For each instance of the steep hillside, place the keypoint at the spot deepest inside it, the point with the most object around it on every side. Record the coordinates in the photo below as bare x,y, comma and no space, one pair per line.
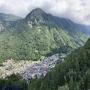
39,34
72,74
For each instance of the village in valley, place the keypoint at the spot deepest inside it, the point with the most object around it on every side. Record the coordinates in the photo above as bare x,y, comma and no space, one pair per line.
30,69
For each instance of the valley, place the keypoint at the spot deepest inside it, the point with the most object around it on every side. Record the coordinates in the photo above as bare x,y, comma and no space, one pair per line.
43,52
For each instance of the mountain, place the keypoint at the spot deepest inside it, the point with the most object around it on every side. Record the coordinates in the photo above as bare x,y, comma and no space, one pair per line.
39,34
8,17
38,15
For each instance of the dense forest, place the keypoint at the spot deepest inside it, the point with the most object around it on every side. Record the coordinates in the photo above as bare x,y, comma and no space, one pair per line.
72,74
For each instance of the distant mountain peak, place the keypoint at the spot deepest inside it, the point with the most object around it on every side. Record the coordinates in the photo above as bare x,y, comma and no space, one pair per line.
9,17
38,17
38,10
35,14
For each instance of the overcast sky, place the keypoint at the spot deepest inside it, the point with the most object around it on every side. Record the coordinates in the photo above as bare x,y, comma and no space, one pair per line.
77,10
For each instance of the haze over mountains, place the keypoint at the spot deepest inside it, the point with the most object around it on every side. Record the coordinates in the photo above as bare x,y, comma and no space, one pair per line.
8,17
39,34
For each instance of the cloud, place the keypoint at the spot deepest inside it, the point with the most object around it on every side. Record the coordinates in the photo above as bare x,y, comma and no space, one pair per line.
76,10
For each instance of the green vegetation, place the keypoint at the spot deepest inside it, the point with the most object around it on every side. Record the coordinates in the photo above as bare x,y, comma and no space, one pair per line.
39,34
71,74
14,82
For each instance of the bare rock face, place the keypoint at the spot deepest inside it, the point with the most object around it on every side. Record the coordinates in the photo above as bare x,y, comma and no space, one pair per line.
2,28
30,24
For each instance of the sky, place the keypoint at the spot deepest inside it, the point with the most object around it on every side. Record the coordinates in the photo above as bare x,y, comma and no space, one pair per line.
76,10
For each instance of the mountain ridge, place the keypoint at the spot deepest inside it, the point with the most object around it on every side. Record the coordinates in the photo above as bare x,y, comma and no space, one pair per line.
35,36
9,17
39,15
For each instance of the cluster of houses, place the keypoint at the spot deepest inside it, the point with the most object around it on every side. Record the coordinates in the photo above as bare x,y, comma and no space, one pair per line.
41,68
30,69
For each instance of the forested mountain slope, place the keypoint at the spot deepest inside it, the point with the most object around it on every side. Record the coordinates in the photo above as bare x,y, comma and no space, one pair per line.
37,35
71,74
